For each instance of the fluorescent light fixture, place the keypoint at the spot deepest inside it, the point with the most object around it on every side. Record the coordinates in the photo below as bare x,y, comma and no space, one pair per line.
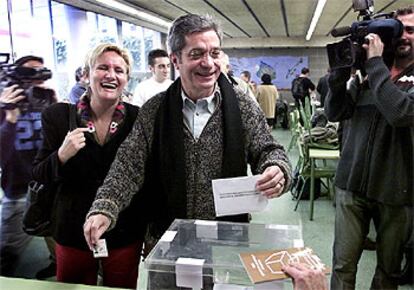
315,18
140,14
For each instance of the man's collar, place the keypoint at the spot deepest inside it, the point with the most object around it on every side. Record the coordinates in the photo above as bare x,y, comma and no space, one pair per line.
212,100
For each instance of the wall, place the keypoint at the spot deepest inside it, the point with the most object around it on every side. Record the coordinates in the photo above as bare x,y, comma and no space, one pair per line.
317,57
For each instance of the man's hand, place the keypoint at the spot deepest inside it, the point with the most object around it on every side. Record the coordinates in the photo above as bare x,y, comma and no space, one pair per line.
374,47
74,141
94,227
11,95
271,182
305,278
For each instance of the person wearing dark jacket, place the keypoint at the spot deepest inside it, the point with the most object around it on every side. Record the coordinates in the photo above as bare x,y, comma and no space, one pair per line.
20,139
302,86
374,179
322,88
78,162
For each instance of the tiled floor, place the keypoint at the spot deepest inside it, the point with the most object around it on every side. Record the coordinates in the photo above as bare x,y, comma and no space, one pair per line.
317,234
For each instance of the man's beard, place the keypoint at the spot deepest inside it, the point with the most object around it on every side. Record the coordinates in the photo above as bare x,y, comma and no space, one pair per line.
406,52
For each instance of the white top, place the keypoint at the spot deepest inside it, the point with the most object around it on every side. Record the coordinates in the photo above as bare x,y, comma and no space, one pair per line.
146,89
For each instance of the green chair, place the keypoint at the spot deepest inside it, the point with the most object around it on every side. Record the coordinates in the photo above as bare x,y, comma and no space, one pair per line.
294,128
310,152
308,168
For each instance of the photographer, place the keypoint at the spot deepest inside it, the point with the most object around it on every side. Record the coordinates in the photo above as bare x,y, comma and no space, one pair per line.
20,139
374,178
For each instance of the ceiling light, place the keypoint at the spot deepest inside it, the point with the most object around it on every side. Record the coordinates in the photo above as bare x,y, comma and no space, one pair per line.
315,18
130,10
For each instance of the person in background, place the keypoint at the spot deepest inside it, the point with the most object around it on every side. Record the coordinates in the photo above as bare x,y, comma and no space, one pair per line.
79,160
322,88
159,65
374,178
200,129
20,139
235,81
302,87
80,87
267,96
247,78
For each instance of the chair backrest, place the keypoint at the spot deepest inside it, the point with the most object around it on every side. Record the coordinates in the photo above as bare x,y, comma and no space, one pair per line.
292,121
306,114
303,158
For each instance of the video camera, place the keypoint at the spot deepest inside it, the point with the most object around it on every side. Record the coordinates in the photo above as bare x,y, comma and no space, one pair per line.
36,97
349,52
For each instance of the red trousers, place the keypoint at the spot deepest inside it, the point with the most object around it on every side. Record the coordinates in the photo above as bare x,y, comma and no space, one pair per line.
120,268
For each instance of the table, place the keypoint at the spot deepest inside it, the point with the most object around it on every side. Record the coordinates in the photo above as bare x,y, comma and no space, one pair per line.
314,154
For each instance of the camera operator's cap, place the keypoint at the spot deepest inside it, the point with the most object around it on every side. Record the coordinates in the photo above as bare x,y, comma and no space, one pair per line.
21,61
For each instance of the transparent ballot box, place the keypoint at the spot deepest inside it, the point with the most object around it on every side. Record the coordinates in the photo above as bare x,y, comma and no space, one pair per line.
199,254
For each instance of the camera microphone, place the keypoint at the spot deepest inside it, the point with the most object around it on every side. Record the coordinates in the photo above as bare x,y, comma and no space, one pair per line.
341,31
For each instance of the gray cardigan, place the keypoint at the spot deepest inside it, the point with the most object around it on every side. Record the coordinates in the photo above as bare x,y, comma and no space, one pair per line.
203,159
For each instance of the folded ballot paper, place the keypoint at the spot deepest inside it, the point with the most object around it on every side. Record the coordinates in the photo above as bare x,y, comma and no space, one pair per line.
264,266
237,196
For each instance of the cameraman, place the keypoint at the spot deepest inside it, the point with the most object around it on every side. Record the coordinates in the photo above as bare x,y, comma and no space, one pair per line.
374,178
19,141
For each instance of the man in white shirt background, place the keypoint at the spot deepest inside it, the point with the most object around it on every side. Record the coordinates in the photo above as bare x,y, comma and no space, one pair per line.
159,64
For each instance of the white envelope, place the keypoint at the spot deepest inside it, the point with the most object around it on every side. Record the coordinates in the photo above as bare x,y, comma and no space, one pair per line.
237,196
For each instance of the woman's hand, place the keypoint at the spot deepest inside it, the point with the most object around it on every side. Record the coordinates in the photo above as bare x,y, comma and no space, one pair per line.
94,228
74,141
271,182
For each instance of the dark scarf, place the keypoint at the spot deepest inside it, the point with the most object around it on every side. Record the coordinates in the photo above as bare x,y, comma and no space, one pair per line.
166,167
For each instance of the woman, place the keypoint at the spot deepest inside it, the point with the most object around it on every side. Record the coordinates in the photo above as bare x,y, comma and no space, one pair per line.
79,160
266,97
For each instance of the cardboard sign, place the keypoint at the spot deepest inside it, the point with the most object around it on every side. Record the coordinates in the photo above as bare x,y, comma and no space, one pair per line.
267,265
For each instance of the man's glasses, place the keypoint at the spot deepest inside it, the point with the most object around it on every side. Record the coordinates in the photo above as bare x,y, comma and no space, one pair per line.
196,54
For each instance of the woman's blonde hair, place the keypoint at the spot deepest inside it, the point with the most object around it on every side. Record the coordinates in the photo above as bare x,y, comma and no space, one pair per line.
96,52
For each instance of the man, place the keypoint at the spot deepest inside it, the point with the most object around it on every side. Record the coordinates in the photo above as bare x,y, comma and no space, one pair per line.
374,178
302,86
80,87
159,65
322,88
20,138
198,130
304,278
247,78
235,81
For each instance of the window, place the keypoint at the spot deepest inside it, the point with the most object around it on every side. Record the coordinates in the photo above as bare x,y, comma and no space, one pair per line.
63,35
5,46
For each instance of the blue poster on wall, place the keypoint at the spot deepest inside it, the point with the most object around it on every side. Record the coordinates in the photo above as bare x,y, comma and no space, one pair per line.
282,69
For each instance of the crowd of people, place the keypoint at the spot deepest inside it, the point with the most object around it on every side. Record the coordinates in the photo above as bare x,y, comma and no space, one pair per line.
127,170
